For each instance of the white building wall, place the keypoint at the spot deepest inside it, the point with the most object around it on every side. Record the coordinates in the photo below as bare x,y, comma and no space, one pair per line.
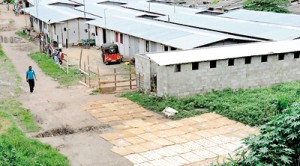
131,45
127,46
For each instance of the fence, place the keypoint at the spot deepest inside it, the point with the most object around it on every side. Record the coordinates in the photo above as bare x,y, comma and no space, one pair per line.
117,82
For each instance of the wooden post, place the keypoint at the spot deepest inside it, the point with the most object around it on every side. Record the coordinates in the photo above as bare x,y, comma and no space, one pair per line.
115,75
130,84
67,64
89,70
98,78
80,58
84,74
139,81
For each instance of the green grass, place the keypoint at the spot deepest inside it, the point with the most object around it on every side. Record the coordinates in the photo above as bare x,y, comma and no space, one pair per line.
23,35
15,148
21,116
51,69
252,106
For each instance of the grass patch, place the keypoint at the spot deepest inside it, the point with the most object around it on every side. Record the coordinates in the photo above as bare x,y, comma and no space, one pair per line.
20,115
23,35
51,69
252,106
16,149
95,91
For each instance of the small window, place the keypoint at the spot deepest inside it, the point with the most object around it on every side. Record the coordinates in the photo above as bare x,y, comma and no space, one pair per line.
264,58
117,37
195,66
230,62
166,48
121,38
296,55
280,57
248,60
213,64
147,46
177,68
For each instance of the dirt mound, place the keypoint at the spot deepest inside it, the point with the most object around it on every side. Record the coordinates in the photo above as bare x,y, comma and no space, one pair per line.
68,131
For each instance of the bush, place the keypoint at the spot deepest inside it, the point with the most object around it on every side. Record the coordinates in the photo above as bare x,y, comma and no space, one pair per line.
277,144
251,106
267,5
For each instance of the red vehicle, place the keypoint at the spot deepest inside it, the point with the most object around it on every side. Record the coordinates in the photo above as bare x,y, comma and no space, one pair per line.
110,53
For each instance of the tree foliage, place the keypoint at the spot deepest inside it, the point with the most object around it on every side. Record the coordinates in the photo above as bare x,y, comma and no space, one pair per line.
267,5
277,144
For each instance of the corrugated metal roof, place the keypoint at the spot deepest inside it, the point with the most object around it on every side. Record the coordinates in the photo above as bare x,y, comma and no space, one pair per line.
161,8
233,26
226,52
45,2
109,10
52,14
266,17
176,36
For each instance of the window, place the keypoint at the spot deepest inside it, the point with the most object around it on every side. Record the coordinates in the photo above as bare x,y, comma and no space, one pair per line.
166,48
230,62
264,58
147,46
177,68
213,64
121,38
248,60
280,57
296,55
117,37
195,66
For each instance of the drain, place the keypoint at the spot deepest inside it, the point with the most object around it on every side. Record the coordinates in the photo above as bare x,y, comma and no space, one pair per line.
68,131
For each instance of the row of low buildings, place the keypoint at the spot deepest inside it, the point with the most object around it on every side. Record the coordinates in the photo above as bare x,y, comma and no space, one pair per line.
142,28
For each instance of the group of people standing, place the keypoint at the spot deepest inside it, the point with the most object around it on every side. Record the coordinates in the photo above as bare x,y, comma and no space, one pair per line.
56,54
18,6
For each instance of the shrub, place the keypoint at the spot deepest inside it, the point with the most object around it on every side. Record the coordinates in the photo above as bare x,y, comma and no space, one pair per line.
277,144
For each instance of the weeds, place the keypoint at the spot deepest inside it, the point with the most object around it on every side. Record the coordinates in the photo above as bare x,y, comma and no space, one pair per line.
23,35
51,69
252,106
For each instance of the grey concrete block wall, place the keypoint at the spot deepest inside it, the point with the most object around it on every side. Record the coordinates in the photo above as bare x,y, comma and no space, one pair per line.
241,75
143,68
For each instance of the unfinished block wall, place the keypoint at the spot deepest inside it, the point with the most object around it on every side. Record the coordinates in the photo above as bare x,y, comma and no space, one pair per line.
240,75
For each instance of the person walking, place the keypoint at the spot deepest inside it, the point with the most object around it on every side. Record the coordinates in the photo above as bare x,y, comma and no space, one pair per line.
30,76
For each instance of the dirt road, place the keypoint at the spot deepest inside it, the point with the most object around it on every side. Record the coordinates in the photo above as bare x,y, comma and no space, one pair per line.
55,107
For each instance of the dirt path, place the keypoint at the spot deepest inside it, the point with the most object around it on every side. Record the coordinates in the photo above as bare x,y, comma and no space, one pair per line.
56,107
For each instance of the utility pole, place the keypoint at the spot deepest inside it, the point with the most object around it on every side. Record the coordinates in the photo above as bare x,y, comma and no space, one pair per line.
84,9
88,24
105,18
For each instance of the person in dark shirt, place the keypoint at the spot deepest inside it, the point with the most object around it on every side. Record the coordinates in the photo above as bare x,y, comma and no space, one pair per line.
30,76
